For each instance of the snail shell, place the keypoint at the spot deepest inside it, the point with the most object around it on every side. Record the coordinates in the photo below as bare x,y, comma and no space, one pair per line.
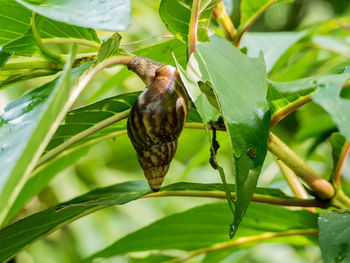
155,123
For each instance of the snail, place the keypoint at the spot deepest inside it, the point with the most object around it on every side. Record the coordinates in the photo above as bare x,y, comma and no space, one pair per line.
156,121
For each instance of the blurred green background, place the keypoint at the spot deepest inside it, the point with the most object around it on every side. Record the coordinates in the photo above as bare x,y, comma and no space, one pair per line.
115,161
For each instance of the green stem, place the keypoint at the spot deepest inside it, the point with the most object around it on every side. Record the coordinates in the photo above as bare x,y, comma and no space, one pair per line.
274,200
29,64
293,182
282,113
103,124
343,155
70,150
82,83
341,200
246,240
251,21
74,41
224,20
192,34
320,186
44,51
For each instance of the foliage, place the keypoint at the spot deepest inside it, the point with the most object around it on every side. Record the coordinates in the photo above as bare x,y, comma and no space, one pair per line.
65,134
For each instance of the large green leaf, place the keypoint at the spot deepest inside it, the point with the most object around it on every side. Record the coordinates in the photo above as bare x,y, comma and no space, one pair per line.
206,225
73,140
273,45
103,15
335,236
15,237
64,149
25,129
20,234
14,21
283,94
26,44
53,29
240,86
176,15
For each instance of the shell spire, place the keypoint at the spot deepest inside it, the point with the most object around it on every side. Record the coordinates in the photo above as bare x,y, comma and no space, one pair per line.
155,123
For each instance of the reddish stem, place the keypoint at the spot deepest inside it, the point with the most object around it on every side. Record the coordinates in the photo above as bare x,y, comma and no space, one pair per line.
341,162
192,34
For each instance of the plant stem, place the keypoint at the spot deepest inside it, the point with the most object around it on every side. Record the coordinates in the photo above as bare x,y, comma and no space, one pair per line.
256,198
74,41
341,200
19,64
78,88
281,114
297,188
246,240
220,14
284,112
44,51
320,186
344,154
115,118
192,34
250,22
29,64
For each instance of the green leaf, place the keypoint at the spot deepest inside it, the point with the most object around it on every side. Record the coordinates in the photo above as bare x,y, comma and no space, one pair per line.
333,44
273,45
206,225
4,57
163,52
328,97
76,123
190,78
154,258
252,9
109,48
176,15
18,235
14,21
8,78
15,237
240,86
25,129
53,29
334,236
64,149
282,94
103,15
25,45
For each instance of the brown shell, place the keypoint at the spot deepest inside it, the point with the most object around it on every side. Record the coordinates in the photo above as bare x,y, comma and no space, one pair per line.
155,123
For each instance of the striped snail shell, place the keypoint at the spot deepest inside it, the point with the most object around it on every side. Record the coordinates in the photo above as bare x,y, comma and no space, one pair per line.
155,123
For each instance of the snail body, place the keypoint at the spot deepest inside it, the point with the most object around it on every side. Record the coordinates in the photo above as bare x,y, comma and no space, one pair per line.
155,122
